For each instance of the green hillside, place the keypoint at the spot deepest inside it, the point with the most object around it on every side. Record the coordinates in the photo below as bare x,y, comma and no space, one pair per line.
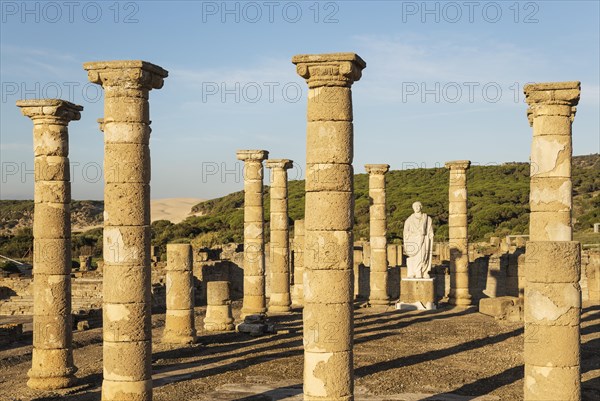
498,205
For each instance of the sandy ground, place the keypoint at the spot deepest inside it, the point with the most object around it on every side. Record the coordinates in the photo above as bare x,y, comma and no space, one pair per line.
450,354
173,209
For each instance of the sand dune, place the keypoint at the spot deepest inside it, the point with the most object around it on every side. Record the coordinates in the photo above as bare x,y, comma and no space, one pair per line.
173,209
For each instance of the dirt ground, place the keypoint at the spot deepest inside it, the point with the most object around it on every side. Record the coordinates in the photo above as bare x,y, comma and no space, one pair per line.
448,354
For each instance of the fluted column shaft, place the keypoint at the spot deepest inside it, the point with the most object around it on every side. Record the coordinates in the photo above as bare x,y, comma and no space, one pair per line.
179,320
378,231
127,333
254,243
328,274
552,260
280,300
52,356
457,228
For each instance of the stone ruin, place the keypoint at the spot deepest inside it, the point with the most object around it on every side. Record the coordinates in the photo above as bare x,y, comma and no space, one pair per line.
322,270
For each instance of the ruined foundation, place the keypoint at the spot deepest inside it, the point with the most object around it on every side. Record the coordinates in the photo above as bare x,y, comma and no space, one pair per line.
254,242
179,320
127,346
52,364
328,277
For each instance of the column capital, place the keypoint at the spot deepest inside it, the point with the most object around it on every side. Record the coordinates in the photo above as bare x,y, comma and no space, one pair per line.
377,168
333,69
129,74
458,164
565,95
57,109
252,155
279,163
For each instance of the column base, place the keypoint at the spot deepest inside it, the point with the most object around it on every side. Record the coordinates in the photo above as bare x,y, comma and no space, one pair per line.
460,297
51,369
51,383
279,309
221,325
250,312
127,391
380,302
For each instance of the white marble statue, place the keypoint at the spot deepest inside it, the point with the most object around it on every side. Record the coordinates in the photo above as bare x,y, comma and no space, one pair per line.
418,243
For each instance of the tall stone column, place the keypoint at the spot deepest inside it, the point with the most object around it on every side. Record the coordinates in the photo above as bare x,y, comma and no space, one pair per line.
52,357
127,333
254,243
552,259
179,320
280,300
378,231
457,227
298,289
328,275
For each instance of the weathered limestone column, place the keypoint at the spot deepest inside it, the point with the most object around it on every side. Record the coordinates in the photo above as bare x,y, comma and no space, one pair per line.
254,243
52,364
457,227
218,308
328,274
378,231
298,290
552,260
280,300
127,345
179,320
551,112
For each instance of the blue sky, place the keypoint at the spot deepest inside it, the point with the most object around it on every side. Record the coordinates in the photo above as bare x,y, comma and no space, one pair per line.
444,81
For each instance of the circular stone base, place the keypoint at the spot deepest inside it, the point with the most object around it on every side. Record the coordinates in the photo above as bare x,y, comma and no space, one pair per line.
51,383
274,309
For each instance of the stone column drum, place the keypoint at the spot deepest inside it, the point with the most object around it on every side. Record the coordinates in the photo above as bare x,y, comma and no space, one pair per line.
297,289
218,309
254,302
280,300
328,274
52,356
552,260
179,320
378,231
457,227
127,345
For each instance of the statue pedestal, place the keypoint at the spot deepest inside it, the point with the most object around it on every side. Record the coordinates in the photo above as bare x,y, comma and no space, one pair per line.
417,294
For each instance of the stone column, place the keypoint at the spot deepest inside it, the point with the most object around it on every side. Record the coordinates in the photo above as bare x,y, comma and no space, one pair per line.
378,231
254,243
179,321
298,290
552,260
52,357
328,279
127,345
457,227
218,309
280,300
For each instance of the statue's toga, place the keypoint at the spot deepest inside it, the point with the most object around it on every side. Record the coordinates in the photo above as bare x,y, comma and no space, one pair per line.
418,243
